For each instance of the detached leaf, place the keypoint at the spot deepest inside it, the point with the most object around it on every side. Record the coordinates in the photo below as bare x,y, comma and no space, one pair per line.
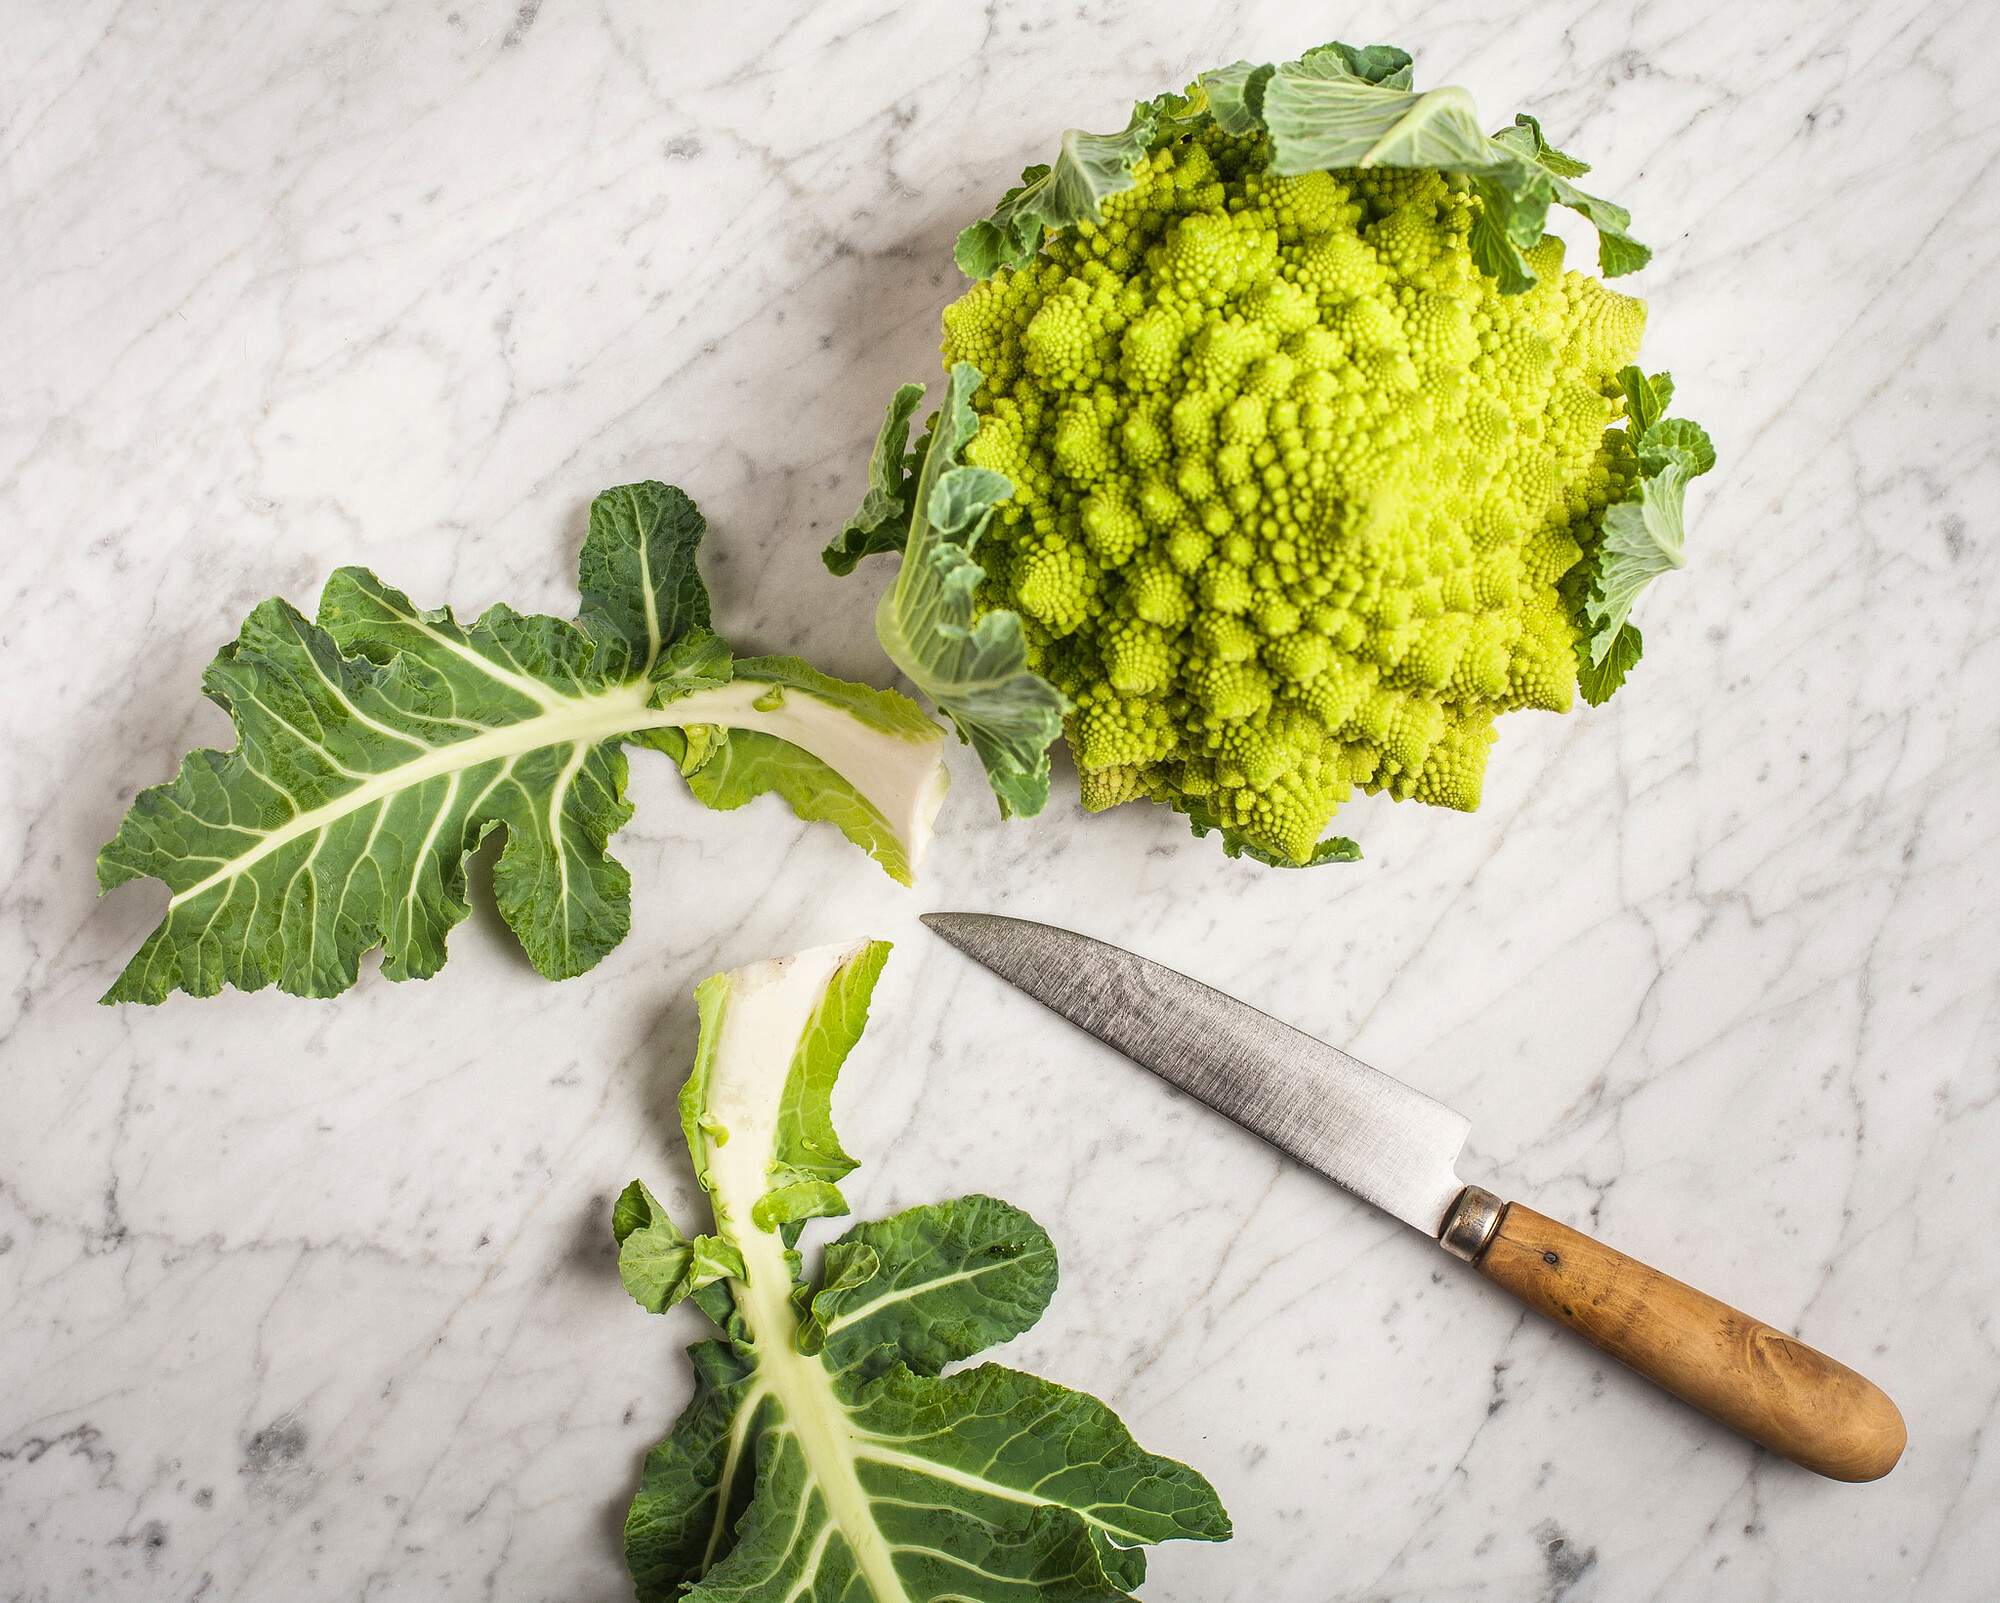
825,1458
697,1483
932,1286
640,587
806,1156
658,1264
379,744
814,732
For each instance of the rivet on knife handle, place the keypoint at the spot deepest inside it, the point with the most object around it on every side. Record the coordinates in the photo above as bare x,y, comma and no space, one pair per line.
1758,1381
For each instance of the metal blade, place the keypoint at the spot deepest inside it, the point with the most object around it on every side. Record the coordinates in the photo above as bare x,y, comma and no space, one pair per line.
1386,1143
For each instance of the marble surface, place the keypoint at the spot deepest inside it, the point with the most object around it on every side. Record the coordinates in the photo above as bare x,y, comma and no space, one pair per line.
316,1300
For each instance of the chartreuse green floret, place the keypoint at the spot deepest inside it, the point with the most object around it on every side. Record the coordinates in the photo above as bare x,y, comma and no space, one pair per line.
1320,459
1294,483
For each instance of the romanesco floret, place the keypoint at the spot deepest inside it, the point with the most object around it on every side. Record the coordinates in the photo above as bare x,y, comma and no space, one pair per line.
1275,460
1294,482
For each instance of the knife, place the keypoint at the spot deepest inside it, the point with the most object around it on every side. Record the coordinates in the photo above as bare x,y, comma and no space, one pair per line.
1396,1148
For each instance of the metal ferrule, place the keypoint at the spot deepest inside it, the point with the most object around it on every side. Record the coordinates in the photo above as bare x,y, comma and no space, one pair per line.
1471,1223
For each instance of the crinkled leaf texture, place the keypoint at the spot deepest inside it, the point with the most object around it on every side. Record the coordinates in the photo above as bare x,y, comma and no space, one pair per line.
380,743
1071,188
927,504
658,1264
1336,106
825,1455
1642,537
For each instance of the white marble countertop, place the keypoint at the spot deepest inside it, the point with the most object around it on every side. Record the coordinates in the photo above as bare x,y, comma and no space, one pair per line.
315,1300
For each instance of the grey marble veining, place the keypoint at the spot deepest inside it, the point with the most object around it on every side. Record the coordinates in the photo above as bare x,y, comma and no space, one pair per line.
315,1300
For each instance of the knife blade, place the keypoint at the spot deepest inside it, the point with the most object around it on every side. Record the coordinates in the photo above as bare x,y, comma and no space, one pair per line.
1387,1143
1396,1148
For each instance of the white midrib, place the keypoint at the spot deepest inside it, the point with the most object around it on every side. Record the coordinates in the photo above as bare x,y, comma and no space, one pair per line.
832,1447
824,732
864,1310
827,1441
757,1035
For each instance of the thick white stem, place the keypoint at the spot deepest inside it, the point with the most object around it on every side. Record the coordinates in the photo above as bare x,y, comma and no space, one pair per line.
767,1009
900,778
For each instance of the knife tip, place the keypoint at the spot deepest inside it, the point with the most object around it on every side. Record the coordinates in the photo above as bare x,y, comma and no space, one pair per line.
963,930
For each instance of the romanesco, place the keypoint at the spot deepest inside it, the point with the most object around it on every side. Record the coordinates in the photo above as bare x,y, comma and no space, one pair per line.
1312,441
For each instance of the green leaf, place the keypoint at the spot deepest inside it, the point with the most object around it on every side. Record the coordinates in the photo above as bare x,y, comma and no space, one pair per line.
1646,398
1643,538
1597,680
640,588
932,1286
882,523
1374,64
974,672
1337,106
1526,136
1325,110
824,1455
701,1128
658,1264
1334,849
1618,252
1514,210
698,1481
1236,96
380,743
1124,1567
1675,439
1640,537
816,731
1072,188
1321,113
807,1159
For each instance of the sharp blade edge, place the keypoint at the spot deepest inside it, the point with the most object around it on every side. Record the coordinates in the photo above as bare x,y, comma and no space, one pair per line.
1387,1143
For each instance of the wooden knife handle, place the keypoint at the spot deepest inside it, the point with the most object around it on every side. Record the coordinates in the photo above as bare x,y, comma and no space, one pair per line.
1756,1380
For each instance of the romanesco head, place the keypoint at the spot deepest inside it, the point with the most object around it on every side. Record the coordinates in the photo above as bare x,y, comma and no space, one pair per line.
1294,483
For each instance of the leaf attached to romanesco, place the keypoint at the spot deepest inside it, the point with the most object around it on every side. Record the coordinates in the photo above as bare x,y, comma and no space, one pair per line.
927,504
1640,537
1319,458
1336,106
